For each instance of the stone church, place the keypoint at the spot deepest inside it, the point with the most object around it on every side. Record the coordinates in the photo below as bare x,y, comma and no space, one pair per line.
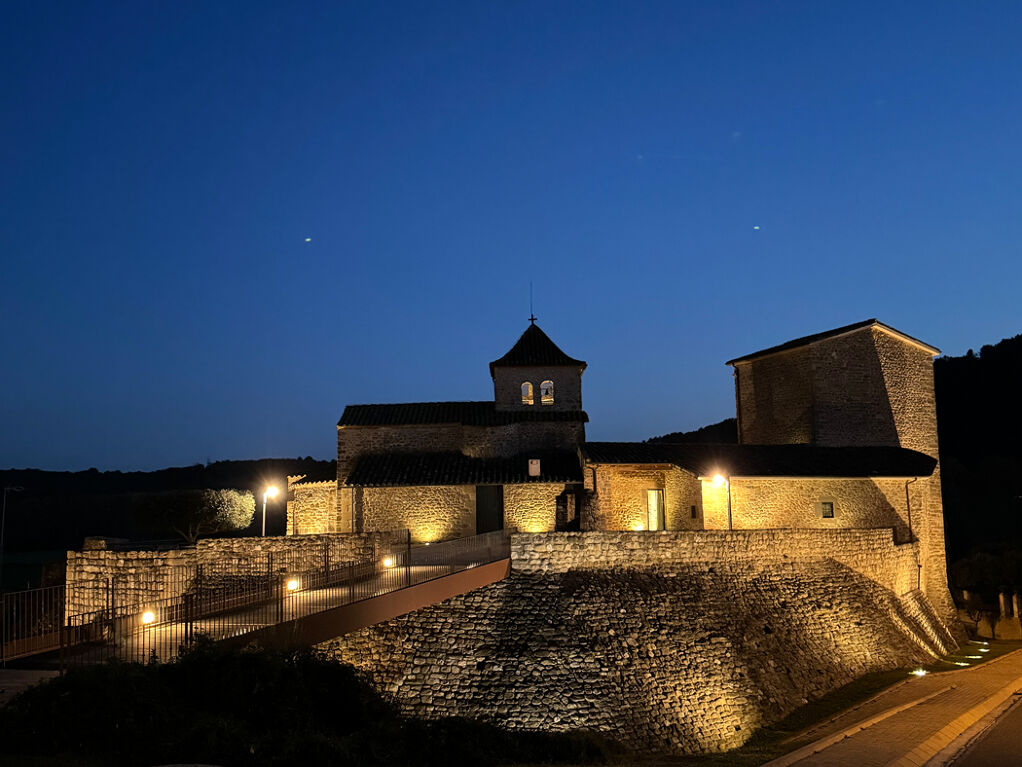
836,430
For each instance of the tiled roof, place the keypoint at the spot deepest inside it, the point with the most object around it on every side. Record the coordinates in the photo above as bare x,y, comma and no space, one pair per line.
396,469
806,340
767,460
535,349
465,413
326,475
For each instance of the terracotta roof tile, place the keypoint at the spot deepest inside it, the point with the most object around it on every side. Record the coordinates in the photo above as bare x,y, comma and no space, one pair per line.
404,469
767,460
465,413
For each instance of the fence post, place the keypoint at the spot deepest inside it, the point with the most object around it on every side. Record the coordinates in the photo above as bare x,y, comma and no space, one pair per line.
408,558
3,629
326,563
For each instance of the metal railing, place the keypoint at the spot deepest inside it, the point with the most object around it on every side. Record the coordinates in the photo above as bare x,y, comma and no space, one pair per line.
228,599
30,622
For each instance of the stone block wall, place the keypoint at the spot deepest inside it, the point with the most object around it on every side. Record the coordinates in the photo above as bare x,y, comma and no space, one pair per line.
679,658
532,507
871,553
619,502
312,508
98,579
791,502
430,513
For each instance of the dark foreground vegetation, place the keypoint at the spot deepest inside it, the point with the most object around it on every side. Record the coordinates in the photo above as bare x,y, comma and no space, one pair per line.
251,708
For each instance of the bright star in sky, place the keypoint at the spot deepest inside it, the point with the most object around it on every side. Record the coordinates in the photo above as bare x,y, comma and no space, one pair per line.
309,239
755,227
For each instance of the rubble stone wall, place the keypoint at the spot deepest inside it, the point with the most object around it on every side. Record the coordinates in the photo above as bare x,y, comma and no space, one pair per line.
680,658
100,579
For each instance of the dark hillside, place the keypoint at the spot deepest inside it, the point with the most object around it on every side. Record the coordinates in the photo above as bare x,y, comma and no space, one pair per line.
57,509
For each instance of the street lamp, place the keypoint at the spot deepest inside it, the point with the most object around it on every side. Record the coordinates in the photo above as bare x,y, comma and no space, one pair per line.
3,526
718,481
271,492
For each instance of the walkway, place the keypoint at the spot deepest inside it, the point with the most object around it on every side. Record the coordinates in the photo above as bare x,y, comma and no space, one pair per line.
903,725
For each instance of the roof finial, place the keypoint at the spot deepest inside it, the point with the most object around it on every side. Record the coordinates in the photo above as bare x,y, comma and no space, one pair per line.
532,314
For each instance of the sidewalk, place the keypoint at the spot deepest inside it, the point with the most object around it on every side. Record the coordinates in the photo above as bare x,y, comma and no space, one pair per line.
899,721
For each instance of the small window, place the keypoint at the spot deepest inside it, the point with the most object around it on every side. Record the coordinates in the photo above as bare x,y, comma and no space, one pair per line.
826,509
546,392
526,393
695,512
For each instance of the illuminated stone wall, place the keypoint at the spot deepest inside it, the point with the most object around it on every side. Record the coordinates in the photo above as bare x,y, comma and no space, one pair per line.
97,576
430,513
792,503
868,387
683,658
619,502
531,508
872,553
312,508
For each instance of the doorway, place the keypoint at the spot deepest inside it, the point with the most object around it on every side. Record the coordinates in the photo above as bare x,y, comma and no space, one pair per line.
489,508
655,510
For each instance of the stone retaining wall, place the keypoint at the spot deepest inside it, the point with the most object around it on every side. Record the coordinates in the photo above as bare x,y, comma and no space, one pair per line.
101,579
870,552
677,659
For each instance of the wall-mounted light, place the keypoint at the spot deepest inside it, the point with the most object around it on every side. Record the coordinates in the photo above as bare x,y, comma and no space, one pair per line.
148,617
293,584
388,562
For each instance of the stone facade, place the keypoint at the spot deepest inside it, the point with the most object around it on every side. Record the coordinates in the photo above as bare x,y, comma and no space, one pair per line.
619,500
793,502
429,513
532,508
312,508
870,386
669,642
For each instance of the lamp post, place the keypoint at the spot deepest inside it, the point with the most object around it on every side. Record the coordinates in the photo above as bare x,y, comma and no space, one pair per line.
270,492
718,480
3,527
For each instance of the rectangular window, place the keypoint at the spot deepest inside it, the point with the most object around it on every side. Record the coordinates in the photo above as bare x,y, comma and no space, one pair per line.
655,509
695,513
827,509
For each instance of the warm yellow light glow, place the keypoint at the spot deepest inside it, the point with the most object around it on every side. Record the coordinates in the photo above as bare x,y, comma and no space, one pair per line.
638,527
983,649
718,480
388,562
919,672
292,585
148,617
961,663
271,491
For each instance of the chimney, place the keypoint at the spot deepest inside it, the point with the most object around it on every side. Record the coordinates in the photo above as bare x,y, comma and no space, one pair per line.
533,467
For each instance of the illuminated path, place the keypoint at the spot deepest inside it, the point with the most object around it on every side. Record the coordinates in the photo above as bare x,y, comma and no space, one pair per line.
911,723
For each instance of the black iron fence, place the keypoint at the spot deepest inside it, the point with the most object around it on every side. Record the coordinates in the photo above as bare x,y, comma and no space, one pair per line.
226,599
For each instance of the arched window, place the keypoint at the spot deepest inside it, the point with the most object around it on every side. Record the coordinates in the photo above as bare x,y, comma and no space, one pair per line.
526,393
546,392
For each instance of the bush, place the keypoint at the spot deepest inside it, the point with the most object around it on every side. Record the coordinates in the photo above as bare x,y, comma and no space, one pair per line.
254,708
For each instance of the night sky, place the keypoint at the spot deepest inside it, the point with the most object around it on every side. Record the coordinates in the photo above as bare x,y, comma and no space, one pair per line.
222,222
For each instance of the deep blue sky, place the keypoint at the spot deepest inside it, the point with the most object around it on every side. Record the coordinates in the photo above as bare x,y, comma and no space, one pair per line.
163,162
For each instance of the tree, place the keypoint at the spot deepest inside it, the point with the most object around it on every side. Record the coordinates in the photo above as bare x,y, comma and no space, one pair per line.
193,513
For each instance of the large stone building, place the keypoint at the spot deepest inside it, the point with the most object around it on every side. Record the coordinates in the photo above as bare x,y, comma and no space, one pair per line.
836,430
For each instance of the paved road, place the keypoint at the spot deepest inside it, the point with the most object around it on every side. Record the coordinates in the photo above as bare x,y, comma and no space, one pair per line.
13,681
1001,745
923,706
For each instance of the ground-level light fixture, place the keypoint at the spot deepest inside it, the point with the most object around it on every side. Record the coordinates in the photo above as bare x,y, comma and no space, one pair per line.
388,562
920,672
148,617
293,584
270,492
